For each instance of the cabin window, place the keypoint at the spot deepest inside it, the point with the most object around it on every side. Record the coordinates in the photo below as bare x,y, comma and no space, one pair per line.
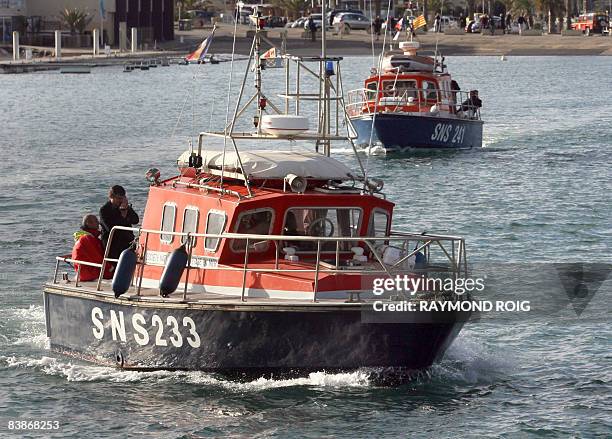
429,91
190,223
167,222
388,88
400,88
379,224
323,222
406,89
254,222
371,93
215,223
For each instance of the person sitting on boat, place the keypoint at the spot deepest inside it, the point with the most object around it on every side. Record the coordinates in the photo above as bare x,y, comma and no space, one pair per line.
88,248
117,212
471,105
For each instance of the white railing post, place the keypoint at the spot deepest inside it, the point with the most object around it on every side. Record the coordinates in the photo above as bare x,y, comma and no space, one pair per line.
134,40
58,45
96,42
15,46
245,269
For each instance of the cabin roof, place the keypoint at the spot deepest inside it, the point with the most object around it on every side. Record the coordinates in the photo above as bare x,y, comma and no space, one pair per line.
272,195
267,164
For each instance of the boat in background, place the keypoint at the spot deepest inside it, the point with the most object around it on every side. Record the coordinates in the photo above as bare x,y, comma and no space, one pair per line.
411,102
262,263
200,55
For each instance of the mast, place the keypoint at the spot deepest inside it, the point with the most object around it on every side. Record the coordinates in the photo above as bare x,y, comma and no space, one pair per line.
325,73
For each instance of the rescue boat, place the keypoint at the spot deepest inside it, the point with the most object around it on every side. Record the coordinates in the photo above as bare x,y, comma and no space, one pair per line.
263,262
409,102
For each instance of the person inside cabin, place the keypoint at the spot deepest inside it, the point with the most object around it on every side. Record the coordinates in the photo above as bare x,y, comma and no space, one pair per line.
256,223
471,105
88,248
117,212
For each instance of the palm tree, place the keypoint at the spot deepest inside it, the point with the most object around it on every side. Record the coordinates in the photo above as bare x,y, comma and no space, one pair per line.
550,8
75,19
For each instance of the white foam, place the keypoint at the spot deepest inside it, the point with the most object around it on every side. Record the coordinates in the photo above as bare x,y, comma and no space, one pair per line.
30,323
469,360
87,373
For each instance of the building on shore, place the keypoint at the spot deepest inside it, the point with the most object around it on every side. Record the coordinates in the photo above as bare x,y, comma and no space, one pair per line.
37,19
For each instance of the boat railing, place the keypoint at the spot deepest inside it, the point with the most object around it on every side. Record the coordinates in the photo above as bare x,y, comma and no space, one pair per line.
444,255
411,100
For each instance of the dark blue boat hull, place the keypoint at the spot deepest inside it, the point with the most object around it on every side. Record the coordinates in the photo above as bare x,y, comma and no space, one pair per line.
401,132
238,341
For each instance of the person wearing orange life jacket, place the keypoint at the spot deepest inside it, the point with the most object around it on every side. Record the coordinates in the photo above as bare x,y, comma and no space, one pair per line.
88,248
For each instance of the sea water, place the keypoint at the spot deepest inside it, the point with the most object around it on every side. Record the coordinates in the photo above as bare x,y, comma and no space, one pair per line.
537,194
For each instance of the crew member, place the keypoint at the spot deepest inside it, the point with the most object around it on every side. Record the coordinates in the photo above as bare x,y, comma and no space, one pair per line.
117,212
88,248
471,104
454,90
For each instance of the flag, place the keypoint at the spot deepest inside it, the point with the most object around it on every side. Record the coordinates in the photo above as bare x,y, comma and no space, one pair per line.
399,24
102,10
269,54
419,22
397,35
200,53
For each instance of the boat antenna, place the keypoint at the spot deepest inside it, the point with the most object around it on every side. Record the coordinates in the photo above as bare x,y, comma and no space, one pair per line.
438,38
372,37
376,99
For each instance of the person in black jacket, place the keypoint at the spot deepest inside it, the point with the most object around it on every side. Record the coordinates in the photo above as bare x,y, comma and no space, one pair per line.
471,105
117,212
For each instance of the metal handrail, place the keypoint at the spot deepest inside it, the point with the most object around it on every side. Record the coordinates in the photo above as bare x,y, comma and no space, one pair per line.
457,262
360,100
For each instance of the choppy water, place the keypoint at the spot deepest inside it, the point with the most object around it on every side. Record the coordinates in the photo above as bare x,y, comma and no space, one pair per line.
538,193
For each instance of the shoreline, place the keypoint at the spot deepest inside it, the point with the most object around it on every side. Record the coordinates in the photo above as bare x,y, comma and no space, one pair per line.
357,43
447,47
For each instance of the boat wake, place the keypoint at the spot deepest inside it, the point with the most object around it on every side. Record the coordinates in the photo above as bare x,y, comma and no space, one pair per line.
468,361
76,372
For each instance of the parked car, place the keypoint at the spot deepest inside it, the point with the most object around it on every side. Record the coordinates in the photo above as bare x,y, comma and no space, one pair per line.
448,22
353,21
476,24
275,21
592,23
299,23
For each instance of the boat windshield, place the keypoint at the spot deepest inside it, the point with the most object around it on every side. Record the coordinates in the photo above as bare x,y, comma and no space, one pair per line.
400,88
324,222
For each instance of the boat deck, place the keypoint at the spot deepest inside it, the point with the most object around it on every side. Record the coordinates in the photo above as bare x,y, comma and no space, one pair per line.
151,295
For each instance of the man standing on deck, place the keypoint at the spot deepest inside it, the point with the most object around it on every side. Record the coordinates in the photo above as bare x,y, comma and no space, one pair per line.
117,212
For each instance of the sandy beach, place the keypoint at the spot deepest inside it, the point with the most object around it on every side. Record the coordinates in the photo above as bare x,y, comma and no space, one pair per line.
359,43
